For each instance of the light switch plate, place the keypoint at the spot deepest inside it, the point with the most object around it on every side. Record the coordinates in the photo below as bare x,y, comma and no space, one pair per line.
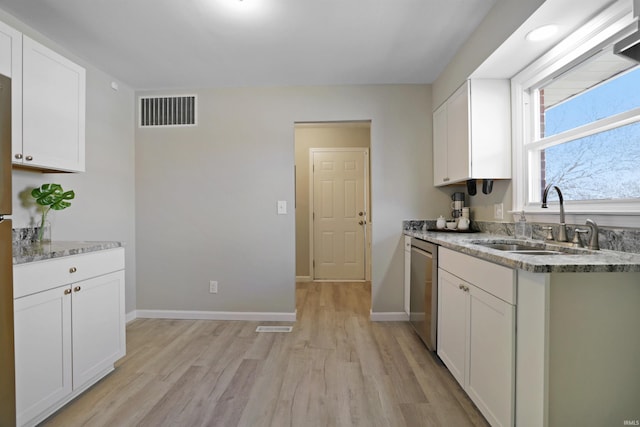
498,211
282,207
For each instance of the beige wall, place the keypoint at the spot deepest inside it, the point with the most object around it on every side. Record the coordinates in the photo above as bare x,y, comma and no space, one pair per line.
104,205
309,136
206,196
501,21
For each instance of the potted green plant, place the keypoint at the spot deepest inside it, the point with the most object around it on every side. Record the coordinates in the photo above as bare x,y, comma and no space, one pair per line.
51,196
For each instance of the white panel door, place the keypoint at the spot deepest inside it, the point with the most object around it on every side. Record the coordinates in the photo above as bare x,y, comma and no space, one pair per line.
53,115
491,373
43,351
339,214
452,324
458,157
440,153
11,66
98,325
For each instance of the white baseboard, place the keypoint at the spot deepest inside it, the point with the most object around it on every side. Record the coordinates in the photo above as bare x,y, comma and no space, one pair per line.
303,278
216,315
131,316
391,316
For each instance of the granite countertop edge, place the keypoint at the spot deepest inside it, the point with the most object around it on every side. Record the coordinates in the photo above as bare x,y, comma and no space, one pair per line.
604,261
26,252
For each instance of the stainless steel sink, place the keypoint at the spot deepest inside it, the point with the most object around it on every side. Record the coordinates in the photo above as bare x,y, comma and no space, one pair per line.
530,248
510,246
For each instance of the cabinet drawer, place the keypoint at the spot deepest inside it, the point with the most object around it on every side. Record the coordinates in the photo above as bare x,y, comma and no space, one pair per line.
492,278
39,276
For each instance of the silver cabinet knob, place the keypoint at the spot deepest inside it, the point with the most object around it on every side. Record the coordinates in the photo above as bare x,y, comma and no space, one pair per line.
18,156
77,289
67,291
73,270
29,158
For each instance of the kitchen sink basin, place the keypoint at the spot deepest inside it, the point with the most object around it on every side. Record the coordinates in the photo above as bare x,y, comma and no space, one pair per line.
531,248
509,246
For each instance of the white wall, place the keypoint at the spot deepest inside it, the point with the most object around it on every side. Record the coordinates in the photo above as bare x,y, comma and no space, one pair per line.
206,196
501,21
104,205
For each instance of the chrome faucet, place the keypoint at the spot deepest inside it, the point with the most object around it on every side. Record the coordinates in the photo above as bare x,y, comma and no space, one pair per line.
562,234
593,239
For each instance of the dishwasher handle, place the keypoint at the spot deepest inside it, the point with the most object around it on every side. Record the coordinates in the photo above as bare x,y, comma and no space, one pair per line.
421,252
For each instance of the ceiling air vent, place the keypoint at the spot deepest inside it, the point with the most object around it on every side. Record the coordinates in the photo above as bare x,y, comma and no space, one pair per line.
168,111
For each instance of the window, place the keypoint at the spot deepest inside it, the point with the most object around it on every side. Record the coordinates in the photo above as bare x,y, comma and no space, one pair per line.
588,136
579,124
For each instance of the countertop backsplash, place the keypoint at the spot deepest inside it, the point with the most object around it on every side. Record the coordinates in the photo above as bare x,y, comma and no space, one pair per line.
615,239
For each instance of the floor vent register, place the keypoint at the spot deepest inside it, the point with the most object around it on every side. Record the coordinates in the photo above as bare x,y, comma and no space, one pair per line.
274,328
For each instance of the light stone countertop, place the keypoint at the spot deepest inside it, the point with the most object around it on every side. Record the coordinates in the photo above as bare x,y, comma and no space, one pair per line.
24,252
584,261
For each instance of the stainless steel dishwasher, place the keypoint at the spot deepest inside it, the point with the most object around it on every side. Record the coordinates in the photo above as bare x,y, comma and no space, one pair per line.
423,297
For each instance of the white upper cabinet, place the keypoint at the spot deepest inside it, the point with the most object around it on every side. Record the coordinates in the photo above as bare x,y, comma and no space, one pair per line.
47,104
472,133
53,107
11,66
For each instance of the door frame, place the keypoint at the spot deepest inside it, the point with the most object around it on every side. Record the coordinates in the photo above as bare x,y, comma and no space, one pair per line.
367,204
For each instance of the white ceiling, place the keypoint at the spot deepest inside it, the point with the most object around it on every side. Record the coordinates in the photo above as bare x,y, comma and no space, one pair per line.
153,44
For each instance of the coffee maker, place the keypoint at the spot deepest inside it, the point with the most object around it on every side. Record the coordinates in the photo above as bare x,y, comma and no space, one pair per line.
457,204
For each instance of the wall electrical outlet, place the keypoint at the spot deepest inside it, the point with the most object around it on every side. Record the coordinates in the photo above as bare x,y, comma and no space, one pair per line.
213,287
498,211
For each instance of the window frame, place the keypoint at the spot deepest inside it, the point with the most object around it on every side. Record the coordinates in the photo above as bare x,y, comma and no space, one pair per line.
612,24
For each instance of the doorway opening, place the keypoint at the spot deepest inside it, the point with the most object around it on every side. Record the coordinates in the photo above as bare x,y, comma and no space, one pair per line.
333,202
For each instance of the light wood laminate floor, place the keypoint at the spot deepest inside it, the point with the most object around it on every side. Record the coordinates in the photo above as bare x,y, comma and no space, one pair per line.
335,369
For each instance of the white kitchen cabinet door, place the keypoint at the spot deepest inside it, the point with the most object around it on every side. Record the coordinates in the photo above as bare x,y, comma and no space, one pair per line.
98,325
458,138
11,66
407,275
43,351
452,324
53,105
440,137
490,377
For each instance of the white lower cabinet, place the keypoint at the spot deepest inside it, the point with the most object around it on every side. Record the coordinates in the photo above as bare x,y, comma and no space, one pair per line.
69,336
453,322
43,351
476,332
407,275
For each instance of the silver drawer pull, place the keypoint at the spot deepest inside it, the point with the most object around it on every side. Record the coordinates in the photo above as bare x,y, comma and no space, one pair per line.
73,270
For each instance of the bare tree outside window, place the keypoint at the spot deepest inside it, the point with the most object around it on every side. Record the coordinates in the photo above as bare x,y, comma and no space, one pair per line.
600,166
